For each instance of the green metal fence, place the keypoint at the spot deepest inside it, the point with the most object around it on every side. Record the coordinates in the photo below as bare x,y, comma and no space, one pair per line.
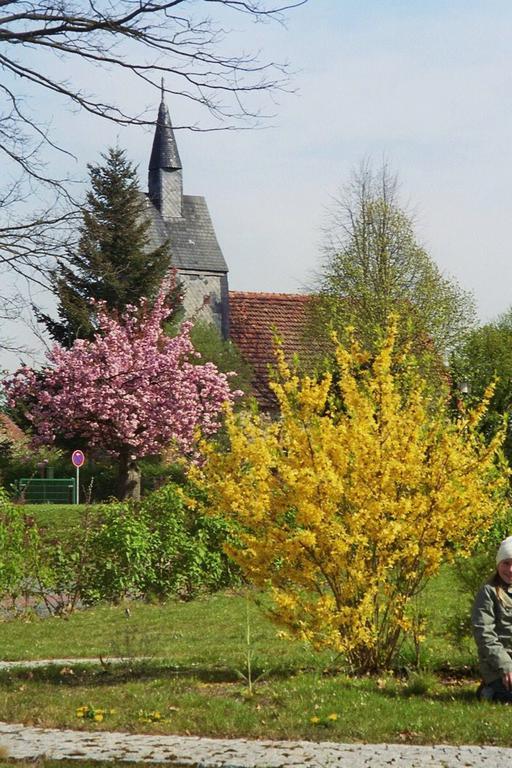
47,490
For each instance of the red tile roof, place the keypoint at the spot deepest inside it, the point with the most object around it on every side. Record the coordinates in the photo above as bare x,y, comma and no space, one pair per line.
10,430
254,319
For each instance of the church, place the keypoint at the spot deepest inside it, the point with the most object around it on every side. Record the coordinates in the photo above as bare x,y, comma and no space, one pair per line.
184,221
247,319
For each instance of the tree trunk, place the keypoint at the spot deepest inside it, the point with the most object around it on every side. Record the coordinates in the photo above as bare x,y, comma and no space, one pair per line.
129,477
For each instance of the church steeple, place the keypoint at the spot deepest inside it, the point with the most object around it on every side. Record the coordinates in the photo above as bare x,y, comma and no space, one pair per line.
165,183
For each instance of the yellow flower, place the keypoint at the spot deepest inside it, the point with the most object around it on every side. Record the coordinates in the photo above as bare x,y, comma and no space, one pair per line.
366,475
152,716
314,720
333,716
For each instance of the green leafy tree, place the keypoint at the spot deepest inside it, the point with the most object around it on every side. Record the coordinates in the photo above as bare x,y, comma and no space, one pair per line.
486,355
208,341
114,262
374,267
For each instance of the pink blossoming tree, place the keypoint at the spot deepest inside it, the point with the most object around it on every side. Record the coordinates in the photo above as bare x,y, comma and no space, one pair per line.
130,392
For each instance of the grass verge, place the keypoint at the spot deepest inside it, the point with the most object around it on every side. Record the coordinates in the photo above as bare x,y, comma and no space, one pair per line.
194,678
57,518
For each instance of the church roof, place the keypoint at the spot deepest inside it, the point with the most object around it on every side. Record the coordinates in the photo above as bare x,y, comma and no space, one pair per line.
192,239
164,153
10,430
254,320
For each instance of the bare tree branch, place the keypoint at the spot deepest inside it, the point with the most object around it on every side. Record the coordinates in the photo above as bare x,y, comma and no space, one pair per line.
181,40
148,39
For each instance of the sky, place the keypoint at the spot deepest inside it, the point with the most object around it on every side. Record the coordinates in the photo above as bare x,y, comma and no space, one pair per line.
425,86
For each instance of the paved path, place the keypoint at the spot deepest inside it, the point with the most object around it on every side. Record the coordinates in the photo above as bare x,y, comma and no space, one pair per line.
28,743
38,663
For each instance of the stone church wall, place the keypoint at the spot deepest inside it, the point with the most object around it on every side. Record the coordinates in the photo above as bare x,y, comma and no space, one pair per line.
205,296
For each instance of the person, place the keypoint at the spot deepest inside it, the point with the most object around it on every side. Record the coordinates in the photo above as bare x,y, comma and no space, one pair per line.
491,620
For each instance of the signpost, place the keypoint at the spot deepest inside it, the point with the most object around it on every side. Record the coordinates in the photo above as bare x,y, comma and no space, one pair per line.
78,460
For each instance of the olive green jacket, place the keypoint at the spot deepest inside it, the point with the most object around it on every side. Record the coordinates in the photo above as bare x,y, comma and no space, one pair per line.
491,619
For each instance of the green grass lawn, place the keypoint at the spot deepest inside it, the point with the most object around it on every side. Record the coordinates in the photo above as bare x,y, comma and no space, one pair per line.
193,676
195,673
57,518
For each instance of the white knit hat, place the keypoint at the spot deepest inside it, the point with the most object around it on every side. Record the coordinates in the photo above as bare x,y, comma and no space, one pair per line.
505,550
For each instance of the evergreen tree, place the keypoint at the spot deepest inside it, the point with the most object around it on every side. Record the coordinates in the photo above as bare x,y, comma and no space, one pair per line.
113,262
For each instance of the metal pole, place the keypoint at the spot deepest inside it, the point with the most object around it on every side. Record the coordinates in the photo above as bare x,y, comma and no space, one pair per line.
77,492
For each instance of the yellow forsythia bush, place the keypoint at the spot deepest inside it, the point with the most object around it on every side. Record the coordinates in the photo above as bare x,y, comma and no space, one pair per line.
350,500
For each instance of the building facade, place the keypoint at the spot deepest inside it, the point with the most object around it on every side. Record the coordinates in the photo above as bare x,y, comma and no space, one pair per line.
250,320
185,223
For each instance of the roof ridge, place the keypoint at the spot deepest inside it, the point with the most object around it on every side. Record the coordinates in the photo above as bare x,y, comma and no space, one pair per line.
270,295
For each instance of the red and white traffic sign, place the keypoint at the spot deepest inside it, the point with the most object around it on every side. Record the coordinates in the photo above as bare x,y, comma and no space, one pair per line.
78,458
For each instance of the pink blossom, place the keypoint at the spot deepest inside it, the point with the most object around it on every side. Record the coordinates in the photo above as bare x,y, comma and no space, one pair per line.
132,389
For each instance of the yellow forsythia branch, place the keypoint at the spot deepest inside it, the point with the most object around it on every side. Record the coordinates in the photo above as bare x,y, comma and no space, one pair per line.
345,511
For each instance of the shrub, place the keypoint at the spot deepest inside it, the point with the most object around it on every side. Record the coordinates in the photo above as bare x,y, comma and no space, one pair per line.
161,547
187,554
349,502
119,560
19,540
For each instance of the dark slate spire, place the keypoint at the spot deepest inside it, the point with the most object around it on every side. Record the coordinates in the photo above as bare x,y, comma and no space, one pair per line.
165,182
165,151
